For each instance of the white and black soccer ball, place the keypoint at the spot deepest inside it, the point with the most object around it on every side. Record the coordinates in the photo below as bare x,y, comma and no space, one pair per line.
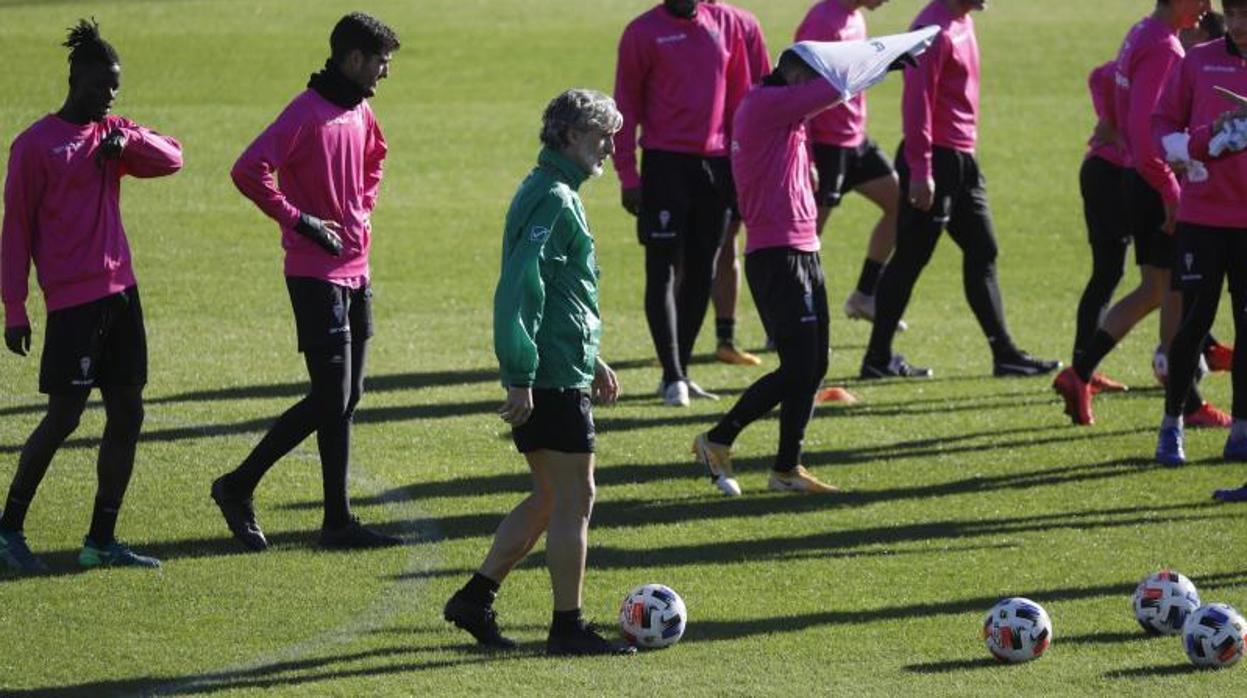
652,616
1214,636
1163,601
1017,630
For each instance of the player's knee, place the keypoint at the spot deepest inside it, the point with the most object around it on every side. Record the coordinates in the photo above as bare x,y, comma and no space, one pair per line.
62,423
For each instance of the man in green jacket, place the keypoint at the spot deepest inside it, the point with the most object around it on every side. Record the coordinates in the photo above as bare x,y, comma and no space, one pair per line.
547,329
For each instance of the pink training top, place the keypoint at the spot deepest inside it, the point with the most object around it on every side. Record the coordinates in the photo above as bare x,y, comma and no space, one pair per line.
62,210
771,164
674,81
1189,103
843,126
1151,49
324,160
1102,85
757,59
940,103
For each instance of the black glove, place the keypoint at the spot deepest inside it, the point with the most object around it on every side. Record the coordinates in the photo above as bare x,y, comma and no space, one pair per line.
17,339
315,230
112,145
905,61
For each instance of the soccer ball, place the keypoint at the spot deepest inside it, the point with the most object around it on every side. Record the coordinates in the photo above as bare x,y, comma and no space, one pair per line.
1163,601
1017,630
652,616
1214,636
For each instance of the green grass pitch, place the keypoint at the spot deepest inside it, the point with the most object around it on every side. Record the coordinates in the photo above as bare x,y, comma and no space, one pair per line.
963,489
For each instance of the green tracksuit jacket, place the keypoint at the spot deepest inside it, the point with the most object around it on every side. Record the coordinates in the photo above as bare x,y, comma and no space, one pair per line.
547,327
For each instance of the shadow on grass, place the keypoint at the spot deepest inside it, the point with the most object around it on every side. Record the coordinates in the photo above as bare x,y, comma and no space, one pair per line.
714,630
1151,672
519,481
952,665
290,674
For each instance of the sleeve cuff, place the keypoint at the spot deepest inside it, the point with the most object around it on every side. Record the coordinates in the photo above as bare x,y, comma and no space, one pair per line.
15,315
629,179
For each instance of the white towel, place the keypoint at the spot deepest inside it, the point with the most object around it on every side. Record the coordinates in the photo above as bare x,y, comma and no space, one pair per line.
854,66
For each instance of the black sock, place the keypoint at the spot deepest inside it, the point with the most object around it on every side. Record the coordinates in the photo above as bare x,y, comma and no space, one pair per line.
869,277
1101,344
566,621
480,590
104,522
725,330
14,517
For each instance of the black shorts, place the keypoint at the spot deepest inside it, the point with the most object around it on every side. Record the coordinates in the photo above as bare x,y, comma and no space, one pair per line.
1103,202
329,315
102,343
841,170
1207,255
683,195
788,289
1145,219
562,420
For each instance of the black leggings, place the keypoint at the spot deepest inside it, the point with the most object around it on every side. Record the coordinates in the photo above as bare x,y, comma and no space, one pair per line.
1102,200
676,311
1215,254
337,377
788,288
960,205
123,407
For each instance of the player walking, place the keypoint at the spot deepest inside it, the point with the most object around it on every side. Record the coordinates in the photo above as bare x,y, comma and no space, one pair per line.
1211,223
547,332
61,211
942,187
326,148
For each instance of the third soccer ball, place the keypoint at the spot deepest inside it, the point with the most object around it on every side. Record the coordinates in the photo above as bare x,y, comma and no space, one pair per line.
1214,636
1163,601
1017,630
652,616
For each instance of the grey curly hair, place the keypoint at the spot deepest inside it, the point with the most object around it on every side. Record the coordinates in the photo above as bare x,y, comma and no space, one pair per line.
578,109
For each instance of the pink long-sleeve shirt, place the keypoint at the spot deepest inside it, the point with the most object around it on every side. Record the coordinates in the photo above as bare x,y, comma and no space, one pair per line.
1102,83
676,81
771,164
940,102
1149,52
747,27
324,160
845,125
62,211
1189,103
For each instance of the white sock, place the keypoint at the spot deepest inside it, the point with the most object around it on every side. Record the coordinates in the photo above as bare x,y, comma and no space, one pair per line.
1171,422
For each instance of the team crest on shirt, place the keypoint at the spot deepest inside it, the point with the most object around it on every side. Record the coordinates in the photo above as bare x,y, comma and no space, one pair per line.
878,46
538,234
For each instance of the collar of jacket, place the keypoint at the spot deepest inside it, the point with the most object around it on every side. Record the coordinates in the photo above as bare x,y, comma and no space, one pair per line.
1232,48
562,167
331,84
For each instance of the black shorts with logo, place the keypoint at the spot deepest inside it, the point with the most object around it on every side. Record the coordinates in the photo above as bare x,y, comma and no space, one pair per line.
329,315
562,420
1206,256
1145,218
841,170
788,289
682,196
98,344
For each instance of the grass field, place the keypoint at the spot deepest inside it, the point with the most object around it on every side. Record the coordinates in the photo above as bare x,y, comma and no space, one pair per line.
963,489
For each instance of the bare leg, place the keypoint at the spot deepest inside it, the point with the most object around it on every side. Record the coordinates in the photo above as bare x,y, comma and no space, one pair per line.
567,538
1135,306
884,192
522,528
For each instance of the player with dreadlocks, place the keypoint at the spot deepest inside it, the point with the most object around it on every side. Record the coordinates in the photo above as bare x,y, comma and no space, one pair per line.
61,212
